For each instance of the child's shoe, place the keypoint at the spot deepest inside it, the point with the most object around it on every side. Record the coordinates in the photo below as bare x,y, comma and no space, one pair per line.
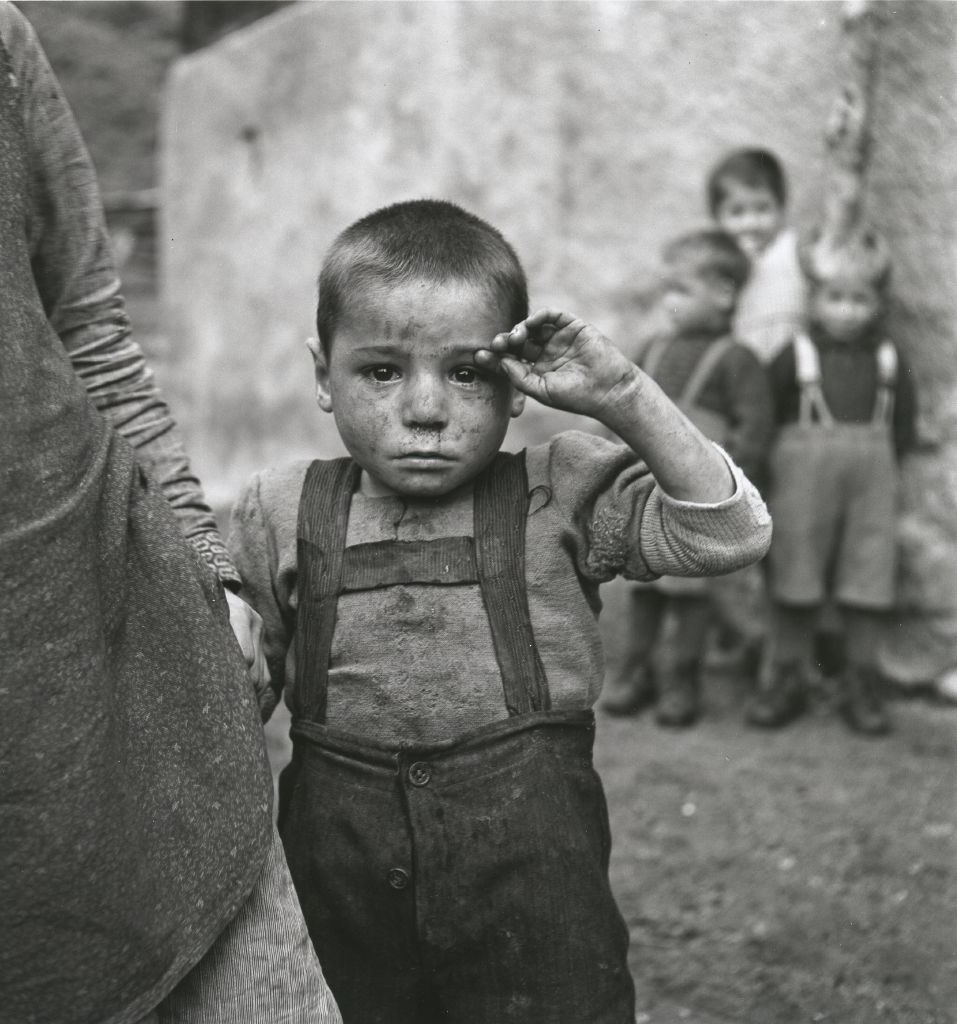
780,700
628,697
860,704
678,697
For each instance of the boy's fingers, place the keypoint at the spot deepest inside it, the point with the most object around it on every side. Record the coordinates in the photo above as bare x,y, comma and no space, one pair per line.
523,377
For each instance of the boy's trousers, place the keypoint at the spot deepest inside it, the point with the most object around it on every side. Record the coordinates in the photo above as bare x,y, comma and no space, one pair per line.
464,881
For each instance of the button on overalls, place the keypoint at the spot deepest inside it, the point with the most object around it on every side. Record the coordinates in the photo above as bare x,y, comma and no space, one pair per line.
834,496
465,880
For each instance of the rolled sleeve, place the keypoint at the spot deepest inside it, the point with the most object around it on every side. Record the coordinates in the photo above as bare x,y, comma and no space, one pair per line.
684,538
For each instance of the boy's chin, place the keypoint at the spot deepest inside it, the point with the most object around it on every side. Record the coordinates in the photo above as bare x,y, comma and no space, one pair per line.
753,247
413,485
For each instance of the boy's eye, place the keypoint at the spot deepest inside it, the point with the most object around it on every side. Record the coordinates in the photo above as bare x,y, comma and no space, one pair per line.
465,375
382,374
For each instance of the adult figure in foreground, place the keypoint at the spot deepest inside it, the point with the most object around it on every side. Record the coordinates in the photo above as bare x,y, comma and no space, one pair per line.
139,878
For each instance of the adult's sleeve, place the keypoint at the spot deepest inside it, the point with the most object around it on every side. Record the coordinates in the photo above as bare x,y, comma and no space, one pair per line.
79,288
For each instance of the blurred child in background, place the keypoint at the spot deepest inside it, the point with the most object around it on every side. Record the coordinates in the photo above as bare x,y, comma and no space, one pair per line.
846,411
723,389
747,197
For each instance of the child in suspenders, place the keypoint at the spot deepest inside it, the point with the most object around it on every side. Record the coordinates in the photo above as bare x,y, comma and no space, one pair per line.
845,410
430,604
722,388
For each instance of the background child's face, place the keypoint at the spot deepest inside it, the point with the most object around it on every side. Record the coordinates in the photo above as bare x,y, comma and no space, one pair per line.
751,214
844,307
411,406
693,304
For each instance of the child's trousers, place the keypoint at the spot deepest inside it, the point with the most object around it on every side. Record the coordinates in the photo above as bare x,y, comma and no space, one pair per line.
261,969
465,883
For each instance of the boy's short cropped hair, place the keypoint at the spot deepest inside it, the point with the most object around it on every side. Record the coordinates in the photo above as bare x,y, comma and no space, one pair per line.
710,254
755,168
422,239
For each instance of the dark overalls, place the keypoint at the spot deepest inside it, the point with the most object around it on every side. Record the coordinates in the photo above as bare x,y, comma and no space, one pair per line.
465,880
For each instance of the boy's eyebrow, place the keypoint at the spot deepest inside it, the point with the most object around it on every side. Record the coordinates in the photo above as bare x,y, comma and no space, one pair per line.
372,350
367,351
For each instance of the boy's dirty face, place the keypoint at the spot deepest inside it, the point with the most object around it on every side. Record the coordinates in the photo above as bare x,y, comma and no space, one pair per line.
693,303
751,214
411,406
844,308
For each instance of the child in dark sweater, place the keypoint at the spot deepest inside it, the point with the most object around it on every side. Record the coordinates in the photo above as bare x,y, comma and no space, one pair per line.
720,385
430,604
846,412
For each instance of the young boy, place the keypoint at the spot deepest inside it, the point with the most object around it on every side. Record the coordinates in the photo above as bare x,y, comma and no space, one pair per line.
747,197
432,602
845,406
723,389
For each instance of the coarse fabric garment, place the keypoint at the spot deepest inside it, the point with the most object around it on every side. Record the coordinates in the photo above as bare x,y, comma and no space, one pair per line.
595,512
77,283
134,787
835,489
463,880
772,305
261,968
481,896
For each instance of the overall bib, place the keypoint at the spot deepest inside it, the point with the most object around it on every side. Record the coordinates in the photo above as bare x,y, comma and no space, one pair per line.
834,496
465,880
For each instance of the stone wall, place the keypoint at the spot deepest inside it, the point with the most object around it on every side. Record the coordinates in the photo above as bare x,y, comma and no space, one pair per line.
583,131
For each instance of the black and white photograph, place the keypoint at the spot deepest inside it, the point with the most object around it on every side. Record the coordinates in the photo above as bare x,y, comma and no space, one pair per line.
478,511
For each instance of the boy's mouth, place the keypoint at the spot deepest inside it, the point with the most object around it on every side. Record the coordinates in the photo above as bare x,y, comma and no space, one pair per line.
423,456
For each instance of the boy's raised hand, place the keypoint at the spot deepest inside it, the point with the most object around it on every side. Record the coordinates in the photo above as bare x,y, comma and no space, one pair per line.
563,363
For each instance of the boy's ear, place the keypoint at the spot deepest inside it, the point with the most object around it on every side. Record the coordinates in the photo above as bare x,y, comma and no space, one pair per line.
518,403
321,366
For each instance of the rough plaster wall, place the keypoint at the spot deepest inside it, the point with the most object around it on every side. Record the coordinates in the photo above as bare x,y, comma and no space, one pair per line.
583,131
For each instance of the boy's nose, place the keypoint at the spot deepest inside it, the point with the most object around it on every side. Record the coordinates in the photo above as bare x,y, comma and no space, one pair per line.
425,404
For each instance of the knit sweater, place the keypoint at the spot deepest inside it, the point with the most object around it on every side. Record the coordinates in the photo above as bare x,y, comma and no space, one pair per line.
417,662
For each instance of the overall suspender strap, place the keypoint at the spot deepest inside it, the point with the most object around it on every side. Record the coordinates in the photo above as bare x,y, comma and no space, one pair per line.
501,510
807,365
701,374
651,357
323,522
886,383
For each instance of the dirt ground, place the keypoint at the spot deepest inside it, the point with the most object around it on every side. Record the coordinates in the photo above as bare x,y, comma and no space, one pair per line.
807,875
